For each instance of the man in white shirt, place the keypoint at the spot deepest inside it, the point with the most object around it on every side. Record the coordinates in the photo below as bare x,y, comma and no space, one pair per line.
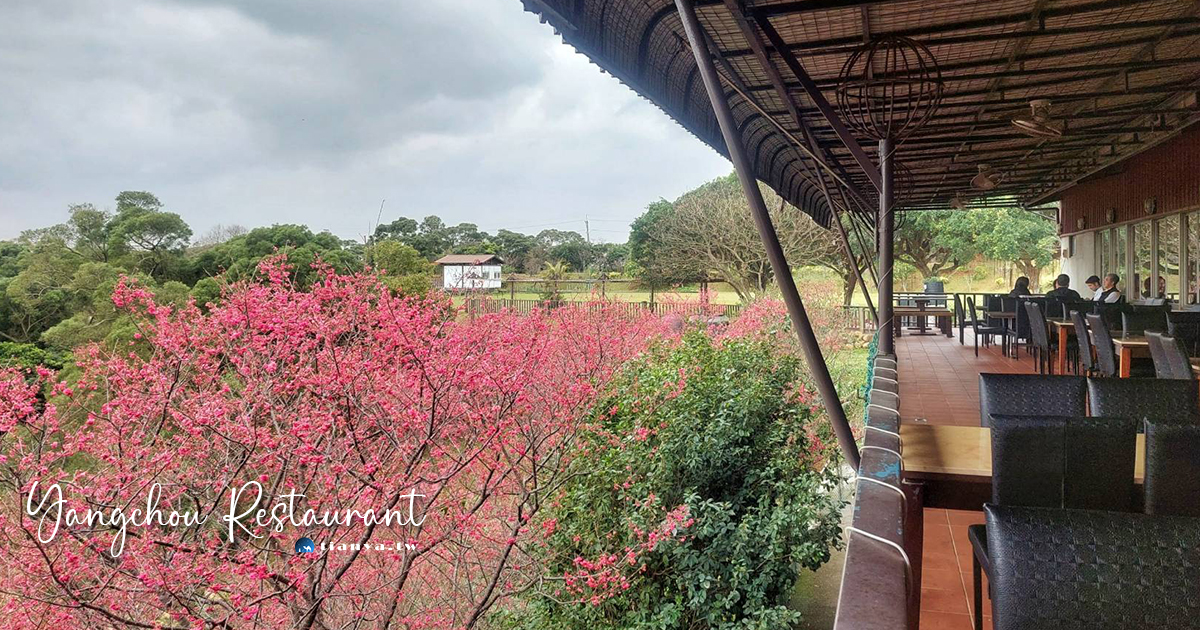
1108,291
1093,285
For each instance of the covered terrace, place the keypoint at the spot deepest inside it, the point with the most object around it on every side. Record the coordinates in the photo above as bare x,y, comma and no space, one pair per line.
854,110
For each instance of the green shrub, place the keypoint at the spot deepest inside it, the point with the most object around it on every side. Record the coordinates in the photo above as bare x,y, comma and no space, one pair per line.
723,435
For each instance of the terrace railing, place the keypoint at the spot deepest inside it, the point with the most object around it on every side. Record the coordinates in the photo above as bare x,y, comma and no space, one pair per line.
477,305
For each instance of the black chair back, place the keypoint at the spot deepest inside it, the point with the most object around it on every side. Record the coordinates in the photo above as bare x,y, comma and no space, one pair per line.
1137,320
1083,340
1100,460
1144,398
1110,313
959,317
1185,326
1063,462
1162,364
1027,460
1170,357
1172,469
1106,357
1037,326
971,314
1031,395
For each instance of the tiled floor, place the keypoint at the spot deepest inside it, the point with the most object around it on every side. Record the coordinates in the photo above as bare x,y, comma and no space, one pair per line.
940,378
946,572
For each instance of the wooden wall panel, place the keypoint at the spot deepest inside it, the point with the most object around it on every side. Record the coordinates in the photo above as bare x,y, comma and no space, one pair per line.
1168,173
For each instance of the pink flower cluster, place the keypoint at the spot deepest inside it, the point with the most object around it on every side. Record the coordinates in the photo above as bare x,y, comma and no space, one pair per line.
343,392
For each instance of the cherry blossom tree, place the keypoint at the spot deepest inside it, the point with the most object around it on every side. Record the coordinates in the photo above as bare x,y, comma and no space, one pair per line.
344,393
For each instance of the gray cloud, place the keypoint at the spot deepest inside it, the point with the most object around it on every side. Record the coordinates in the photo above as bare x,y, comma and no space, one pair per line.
266,111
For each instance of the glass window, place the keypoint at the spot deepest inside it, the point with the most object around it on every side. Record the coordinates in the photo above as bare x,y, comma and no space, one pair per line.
1141,259
1104,261
1119,252
1168,257
1193,246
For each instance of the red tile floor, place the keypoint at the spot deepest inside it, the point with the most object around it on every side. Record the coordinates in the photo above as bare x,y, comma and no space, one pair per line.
946,572
939,379
939,384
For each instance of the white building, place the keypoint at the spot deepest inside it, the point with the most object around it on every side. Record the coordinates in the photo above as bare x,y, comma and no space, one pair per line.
470,271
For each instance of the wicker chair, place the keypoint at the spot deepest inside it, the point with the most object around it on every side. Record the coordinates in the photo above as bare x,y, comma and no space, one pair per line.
1106,355
1084,343
1173,469
1185,326
960,318
1039,338
1170,357
1144,399
1031,395
1058,462
980,329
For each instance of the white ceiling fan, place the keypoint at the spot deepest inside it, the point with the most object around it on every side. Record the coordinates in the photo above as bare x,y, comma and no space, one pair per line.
1038,123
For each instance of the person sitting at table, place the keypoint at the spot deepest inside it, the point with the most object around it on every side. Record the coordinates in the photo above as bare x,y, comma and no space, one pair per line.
1021,288
1062,288
1093,285
1109,291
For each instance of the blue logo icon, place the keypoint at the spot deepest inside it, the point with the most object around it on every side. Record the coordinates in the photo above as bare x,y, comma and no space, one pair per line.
305,545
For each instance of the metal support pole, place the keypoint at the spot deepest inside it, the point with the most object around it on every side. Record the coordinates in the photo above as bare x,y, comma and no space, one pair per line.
766,231
887,224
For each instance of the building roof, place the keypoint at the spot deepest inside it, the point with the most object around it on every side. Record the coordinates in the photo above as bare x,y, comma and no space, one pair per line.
469,259
1121,74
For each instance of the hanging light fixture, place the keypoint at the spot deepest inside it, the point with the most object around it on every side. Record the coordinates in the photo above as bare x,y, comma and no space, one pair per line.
987,179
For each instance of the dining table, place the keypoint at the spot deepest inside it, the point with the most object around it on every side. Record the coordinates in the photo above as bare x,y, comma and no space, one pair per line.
1127,347
1063,328
1074,569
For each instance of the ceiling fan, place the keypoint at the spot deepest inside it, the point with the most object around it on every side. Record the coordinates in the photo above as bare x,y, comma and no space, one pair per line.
1038,123
987,179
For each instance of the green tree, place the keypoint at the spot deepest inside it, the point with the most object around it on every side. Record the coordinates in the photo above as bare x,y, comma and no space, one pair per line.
1025,238
727,469
709,232
239,256
936,242
405,269
151,236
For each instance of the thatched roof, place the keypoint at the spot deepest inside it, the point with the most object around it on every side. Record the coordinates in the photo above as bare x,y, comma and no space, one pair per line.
1121,73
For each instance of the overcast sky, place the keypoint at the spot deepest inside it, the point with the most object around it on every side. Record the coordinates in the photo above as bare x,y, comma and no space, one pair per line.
285,111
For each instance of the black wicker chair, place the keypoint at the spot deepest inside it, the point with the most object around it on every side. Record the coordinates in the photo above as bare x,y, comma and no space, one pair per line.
1144,398
1039,337
1185,326
1031,395
1084,343
1136,320
979,329
960,318
1170,357
1106,355
1173,469
1059,462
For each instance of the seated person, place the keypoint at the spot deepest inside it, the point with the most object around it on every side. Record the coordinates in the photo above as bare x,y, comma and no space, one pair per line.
1062,288
1093,285
1109,292
1020,288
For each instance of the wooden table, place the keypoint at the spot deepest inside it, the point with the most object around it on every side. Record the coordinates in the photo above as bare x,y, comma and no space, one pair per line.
932,451
943,316
1065,328
1126,347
